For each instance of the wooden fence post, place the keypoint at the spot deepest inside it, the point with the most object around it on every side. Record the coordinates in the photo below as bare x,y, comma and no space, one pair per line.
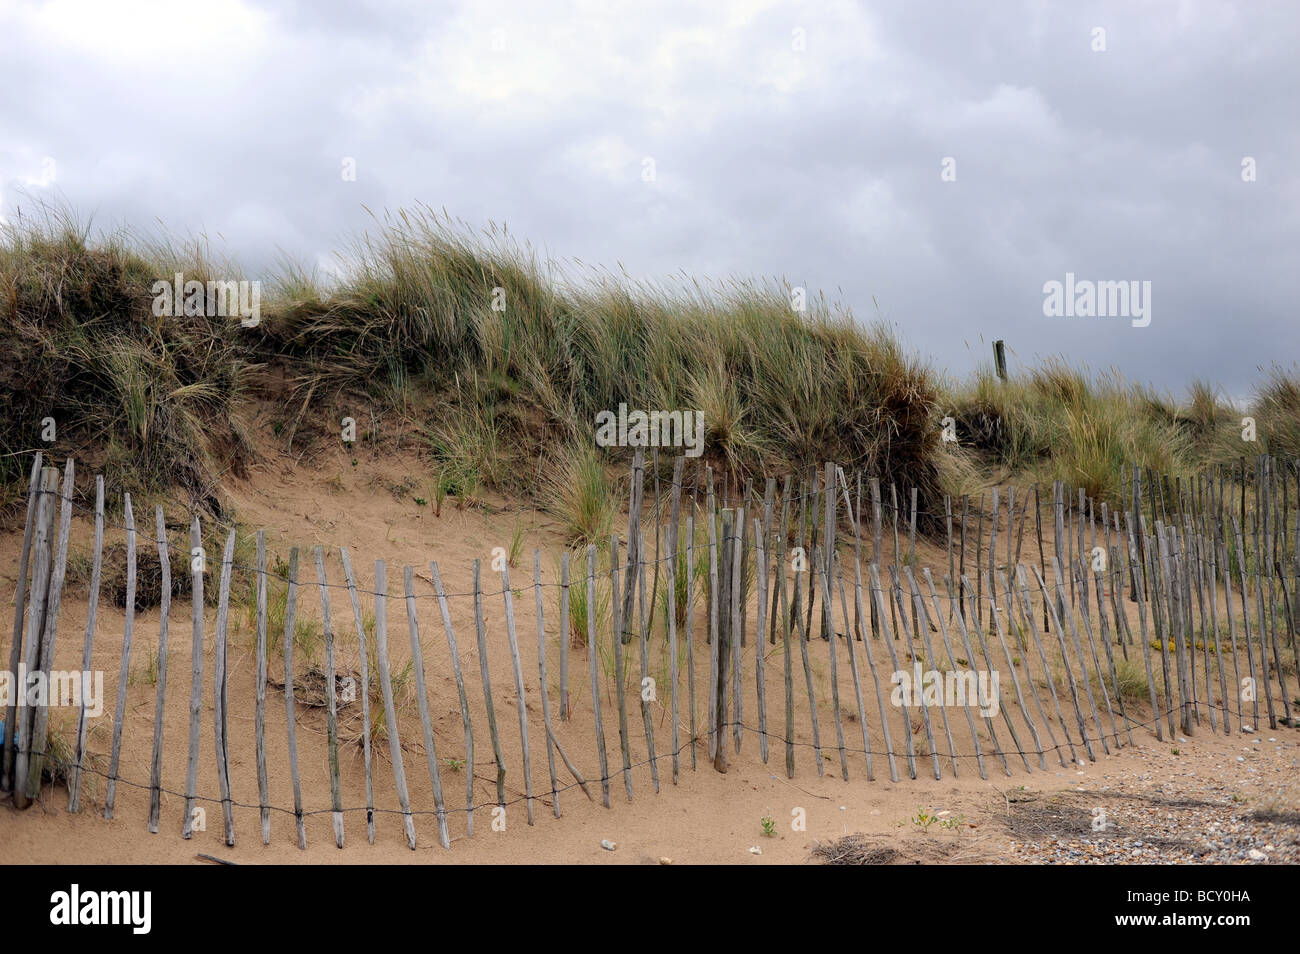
365,691
290,611
422,703
722,648
160,697
125,671
49,630
454,653
88,644
390,708
198,561
11,710
219,707
259,710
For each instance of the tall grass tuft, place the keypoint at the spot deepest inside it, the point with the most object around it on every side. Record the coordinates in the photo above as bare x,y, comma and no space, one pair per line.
580,494
519,355
155,401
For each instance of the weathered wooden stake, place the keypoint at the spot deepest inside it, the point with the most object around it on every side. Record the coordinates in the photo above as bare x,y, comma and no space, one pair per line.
390,708
88,644
290,715
513,640
16,647
592,654
481,630
219,697
331,700
541,677
454,653
124,672
198,563
422,704
365,690
164,610
259,712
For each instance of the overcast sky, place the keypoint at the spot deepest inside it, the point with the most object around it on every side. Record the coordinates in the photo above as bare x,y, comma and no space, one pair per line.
797,140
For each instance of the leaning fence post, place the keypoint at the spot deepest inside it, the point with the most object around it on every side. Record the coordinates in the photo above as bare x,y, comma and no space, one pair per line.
290,610
197,561
331,700
481,632
564,636
671,604
422,703
647,720
454,652
125,671
365,691
595,682
259,711
160,699
620,690
20,604
88,644
952,665
541,678
722,644
49,631
219,707
513,641
390,709
690,627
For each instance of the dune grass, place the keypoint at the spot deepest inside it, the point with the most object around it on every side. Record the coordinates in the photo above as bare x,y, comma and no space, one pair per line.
500,359
518,357
1055,422
152,400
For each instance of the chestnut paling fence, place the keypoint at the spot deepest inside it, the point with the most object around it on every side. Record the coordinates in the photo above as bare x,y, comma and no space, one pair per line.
774,624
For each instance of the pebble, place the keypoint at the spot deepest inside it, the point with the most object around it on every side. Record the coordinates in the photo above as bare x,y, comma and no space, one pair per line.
1218,827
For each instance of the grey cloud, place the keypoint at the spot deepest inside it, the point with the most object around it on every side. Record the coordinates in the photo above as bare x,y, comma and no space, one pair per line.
821,166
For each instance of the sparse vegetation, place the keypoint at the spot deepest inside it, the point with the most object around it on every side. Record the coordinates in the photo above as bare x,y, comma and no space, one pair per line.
501,360
578,605
581,495
1133,683
1056,422
152,402
418,326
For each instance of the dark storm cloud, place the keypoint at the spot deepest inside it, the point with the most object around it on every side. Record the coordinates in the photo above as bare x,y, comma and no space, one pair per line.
802,141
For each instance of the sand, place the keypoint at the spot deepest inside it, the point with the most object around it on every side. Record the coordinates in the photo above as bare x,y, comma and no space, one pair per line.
706,817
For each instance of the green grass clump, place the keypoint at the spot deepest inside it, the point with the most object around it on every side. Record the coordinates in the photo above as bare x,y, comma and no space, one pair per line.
1055,422
516,355
153,401
580,494
1061,424
1133,685
1277,413
501,359
579,608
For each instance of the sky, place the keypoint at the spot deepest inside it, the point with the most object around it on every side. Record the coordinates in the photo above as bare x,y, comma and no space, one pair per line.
934,165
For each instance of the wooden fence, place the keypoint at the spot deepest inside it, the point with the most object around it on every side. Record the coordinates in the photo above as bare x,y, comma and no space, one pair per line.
790,606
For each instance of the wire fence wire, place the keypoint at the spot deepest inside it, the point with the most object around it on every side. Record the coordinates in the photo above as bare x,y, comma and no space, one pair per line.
969,599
